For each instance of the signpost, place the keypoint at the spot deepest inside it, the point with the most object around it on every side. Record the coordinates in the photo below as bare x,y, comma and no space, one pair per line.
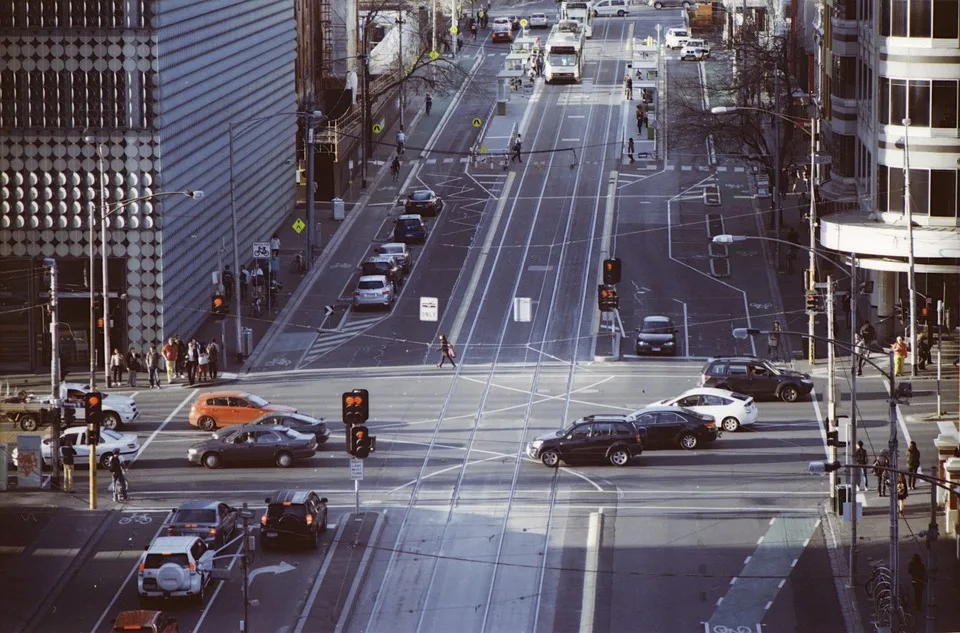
356,474
261,250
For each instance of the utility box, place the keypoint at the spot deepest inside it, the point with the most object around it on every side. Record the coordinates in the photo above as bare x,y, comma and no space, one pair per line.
246,341
338,209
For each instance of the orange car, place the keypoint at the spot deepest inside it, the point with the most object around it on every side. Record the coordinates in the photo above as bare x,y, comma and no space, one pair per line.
226,408
146,622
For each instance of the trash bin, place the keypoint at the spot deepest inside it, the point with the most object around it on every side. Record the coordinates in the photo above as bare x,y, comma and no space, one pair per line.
338,210
246,341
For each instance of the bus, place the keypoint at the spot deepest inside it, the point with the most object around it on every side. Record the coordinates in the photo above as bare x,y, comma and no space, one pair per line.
563,54
582,12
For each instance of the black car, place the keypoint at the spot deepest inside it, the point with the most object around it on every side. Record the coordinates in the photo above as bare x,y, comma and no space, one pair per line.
595,437
514,22
657,335
384,265
214,522
293,516
755,377
409,229
298,422
676,426
423,202
251,444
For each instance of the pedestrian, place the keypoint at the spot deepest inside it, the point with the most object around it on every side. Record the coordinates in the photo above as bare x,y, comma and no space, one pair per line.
192,359
274,266
401,139
541,64
902,491
517,146
446,44
170,352
119,477
227,282
67,453
446,352
154,361
133,366
244,281
880,462
923,349
869,336
257,282
899,356
473,30
116,368
203,364
181,356
918,578
630,149
860,459
429,103
395,167
913,464
213,350
640,115
275,242
628,87
862,351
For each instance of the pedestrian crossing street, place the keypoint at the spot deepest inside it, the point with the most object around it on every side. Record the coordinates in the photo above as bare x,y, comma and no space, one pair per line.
329,340
640,164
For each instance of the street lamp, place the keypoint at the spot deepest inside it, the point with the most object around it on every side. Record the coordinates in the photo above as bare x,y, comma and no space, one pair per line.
812,215
911,272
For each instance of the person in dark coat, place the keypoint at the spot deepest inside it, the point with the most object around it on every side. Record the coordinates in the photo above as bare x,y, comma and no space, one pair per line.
879,462
913,464
213,350
860,459
446,352
869,335
181,355
67,453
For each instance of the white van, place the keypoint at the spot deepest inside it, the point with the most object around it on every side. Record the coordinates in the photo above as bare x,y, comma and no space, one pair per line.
677,37
608,8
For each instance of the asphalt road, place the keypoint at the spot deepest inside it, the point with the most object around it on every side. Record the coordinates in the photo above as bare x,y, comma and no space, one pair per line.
474,536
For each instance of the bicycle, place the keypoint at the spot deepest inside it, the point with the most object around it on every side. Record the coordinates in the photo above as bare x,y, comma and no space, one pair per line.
879,573
257,306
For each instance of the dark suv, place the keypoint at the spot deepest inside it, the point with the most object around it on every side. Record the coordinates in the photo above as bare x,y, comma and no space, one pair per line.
383,265
595,437
755,377
293,516
673,426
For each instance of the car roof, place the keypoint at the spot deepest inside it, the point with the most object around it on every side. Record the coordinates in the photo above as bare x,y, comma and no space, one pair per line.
397,245
663,407
291,496
199,505
655,318
736,357
422,194
609,417
137,618
234,428
710,391
223,394
284,414
410,216
381,278
171,543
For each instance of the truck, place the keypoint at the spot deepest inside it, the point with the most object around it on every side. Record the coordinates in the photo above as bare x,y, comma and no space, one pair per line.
28,411
582,12
563,53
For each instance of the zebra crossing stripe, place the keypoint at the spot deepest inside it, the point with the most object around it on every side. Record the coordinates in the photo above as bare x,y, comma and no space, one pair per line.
329,340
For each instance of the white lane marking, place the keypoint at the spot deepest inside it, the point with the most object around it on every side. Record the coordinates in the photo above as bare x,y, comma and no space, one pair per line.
465,305
445,470
308,606
143,447
588,599
216,592
361,572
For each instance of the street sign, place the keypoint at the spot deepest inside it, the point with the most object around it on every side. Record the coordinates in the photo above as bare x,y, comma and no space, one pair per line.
356,469
483,149
377,128
477,122
298,226
521,309
429,309
523,22
454,30
261,250
434,55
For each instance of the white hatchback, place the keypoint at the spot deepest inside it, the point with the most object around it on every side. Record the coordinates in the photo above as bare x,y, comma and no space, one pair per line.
732,410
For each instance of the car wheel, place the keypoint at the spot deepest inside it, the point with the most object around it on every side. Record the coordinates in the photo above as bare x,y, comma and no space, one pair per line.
323,524
621,13
619,456
550,458
105,460
211,460
658,5
686,6
284,459
789,393
206,423
730,424
688,441
111,420
28,422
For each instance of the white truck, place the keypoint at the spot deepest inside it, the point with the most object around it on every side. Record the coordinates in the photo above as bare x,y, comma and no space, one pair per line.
563,55
582,12
24,409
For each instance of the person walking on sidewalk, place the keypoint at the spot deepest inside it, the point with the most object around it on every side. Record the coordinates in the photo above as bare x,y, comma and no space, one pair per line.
153,360
913,464
244,281
213,350
203,363
428,102
862,352
641,114
899,356
517,146
628,87
773,342
395,167
193,357
630,149
860,459
117,471
116,368
902,491
923,348
446,352
181,355
170,352
869,336
880,462
67,453
918,578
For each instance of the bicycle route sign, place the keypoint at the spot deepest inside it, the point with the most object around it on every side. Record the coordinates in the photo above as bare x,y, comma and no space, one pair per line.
298,226
261,250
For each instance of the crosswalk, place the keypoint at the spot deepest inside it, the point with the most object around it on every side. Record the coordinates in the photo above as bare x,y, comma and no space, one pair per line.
329,340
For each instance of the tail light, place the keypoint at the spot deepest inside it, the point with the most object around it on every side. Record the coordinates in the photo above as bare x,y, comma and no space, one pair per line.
142,567
710,425
385,291
263,520
170,532
212,531
193,567
309,519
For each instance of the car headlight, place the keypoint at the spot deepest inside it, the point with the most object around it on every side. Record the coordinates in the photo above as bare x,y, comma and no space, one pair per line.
536,443
668,344
191,451
642,343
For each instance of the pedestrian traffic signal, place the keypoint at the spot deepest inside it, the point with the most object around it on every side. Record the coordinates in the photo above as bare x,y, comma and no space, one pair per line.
355,406
833,439
361,442
607,299
93,433
812,302
69,416
611,271
218,307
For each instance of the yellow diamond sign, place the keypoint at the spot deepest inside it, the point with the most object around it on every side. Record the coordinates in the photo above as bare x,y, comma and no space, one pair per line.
434,55
298,226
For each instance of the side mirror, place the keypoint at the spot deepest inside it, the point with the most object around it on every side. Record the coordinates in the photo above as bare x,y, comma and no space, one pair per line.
267,500
323,499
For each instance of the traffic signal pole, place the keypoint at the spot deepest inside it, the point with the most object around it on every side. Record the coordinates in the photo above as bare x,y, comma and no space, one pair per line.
54,370
831,385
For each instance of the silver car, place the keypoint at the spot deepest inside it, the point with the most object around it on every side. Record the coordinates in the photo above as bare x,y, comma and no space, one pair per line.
399,252
373,290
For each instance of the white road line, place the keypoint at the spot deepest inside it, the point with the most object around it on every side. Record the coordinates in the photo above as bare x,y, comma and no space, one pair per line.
588,599
213,598
143,447
308,606
361,572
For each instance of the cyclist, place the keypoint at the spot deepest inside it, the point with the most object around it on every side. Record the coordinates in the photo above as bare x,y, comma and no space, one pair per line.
473,30
117,471
401,139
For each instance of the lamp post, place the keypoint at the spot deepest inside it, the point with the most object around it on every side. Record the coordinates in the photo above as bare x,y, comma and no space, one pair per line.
912,272
811,216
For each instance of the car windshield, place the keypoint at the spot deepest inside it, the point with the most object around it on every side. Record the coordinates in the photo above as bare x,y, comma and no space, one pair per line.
195,515
392,249
155,561
408,224
370,284
656,327
109,434
563,59
257,401
277,510
421,195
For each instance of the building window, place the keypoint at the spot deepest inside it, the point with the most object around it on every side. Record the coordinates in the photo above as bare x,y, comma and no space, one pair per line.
898,18
883,101
946,19
943,193
944,104
898,101
895,180
883,181
919,110
921,12
920,191
844,81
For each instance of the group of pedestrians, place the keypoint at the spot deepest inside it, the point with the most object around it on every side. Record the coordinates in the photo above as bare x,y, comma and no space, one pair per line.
905,482
196,361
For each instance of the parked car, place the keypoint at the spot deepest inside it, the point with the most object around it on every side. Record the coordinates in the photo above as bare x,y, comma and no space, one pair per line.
384,265
686,5
675,426
293,516
76,436
224,408
538,21
409,229
399,252
373,290
696,50
423,202
732,409
252,444
657,335
214,522
175,567
607,8
613,438
118,409
755,377
299,423
145,621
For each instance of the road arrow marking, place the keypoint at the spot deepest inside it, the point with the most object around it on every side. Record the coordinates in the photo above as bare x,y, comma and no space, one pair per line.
275,569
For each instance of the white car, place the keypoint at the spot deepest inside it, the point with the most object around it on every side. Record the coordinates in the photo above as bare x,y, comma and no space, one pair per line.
538,21
676,37
175,567
117,409
732,410
128,443
696,50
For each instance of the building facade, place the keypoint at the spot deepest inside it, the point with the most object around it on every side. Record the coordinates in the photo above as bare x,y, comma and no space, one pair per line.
113,107
884,62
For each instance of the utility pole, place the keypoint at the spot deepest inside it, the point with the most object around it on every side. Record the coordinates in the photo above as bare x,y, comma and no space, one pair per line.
831,386
92,344
365,123
237,307
401,67
245,566
54,368
912,273
455,27
308,148
932,534
939,357
105,284
892,446
776,162
812,217
852,443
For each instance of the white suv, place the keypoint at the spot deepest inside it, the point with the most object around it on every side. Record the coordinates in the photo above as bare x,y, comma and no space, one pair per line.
175,567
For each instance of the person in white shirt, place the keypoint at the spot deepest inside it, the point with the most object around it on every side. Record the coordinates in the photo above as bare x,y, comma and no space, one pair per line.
401,139
204,364
275,242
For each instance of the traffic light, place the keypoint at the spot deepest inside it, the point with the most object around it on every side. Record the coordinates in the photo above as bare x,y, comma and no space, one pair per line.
92,404
833,439
812,302
611,271
355,406
361,442
93,433
69,416
218,307
607,299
